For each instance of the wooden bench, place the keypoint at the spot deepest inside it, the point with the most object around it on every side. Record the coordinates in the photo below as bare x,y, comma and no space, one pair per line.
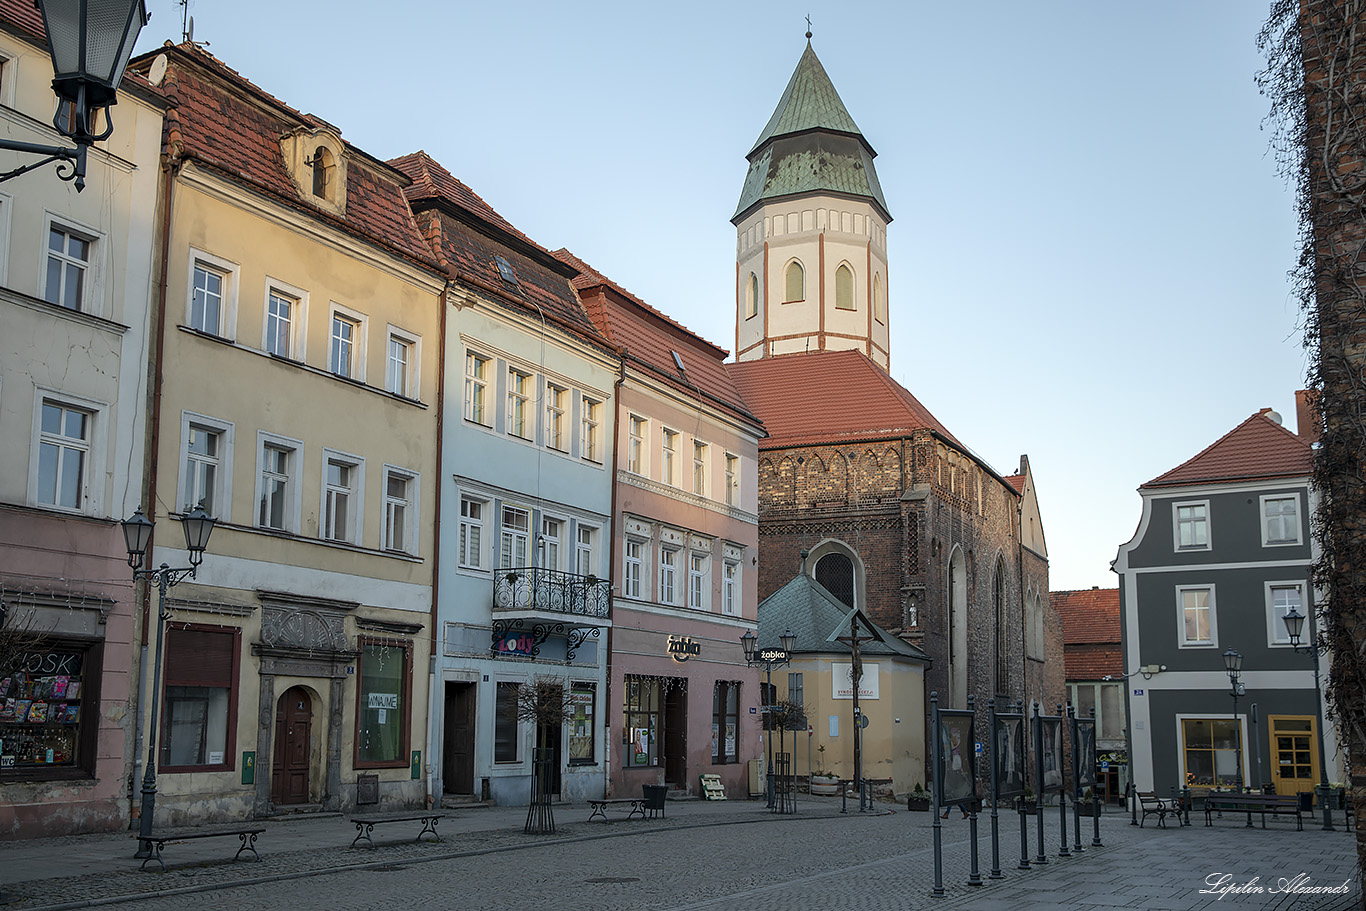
366,824
1262,804
246,834
1150,803
599,807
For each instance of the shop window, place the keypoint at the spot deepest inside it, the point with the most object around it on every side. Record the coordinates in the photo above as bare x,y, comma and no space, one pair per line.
199,720
642,722
1210,748
582,698
44,723
505,739
725,722
382,705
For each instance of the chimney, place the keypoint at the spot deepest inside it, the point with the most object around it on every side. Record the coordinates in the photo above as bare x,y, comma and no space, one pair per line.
1307,416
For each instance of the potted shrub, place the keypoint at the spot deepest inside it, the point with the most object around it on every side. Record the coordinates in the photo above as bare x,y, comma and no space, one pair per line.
1086,802
823,783
919,799
1028,803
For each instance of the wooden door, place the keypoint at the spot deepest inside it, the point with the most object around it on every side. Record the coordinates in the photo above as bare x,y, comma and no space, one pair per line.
676,734
1294,753
293,747
457,770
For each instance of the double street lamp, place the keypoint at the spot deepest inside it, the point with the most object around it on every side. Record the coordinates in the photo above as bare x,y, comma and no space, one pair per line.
1294,626
137,535
90,42
1233,664
768,657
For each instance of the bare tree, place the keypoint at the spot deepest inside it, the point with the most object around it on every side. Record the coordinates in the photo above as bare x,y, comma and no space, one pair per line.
544,701
19,635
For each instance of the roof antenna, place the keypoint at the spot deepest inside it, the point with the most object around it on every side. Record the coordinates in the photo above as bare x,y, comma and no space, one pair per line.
808,27
187,25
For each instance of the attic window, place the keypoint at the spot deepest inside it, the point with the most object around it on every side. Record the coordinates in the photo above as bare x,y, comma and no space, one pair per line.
678,362
322,172
505,270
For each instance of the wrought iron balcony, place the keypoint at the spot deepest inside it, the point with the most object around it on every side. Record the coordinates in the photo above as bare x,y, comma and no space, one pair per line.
530,591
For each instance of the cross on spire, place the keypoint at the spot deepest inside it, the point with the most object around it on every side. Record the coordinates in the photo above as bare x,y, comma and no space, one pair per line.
808,26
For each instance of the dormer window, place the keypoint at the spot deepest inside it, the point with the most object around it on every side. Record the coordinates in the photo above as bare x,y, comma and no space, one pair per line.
323,167
505,270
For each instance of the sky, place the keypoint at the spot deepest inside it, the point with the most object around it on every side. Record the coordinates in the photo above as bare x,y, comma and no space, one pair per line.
1089,253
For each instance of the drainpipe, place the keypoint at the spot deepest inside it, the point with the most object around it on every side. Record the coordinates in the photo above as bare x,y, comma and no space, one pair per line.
610,537
434,638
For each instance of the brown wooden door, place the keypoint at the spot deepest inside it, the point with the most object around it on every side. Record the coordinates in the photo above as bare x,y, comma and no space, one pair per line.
289,771
457,770
676,735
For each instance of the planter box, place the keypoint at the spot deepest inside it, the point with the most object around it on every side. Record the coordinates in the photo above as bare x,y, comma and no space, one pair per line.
824,787
918,804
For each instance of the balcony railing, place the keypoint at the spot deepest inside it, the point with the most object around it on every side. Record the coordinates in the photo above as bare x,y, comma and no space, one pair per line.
531,588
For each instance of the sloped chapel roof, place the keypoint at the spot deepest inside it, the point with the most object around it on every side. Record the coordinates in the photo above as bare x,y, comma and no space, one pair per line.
1257,448
817,618
810,145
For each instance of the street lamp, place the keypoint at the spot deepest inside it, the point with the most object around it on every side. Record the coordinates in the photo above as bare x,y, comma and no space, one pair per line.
137,535
90,42
1294,625
768,657
1233,664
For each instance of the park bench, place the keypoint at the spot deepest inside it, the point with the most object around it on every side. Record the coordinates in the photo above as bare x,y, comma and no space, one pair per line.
1150,803
1262,804
599,807
365,824
245,834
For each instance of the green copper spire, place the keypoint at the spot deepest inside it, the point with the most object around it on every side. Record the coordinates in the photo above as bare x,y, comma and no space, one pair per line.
810,145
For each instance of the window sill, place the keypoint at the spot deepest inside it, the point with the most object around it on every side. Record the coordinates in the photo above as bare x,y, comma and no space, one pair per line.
340,545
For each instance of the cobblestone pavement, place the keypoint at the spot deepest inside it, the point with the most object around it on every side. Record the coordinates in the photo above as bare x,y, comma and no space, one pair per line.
744,858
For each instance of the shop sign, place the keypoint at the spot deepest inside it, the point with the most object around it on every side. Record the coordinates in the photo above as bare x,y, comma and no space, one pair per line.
681,648
517,644
384,700
773,655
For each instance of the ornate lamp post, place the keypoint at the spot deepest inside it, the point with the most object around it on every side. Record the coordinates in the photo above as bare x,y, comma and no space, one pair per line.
768,657
1294,625
1233,664
137,535
90,42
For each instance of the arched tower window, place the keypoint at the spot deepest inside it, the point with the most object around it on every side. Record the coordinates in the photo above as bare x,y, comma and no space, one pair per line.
795,280
844,288
957,631
751,296
835,573
879,302
998,599
322,172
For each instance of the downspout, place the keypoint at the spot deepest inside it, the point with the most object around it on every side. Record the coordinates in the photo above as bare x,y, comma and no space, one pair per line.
434,638
1024,621
612,575
170,169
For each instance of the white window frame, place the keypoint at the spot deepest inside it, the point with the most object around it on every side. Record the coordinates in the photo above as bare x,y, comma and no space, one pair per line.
698,590
1276,634
513,535
412,508
1181,639
1261,511
1176,527
92,292
590,429
222,495
637,444
298,321
294,488
355,517
668,574
93,475
701,457
520,400
468,522
633,563
730,588
227,307
668,456
356,364
412,374
557,436
477,389
545,541
585,551
732,493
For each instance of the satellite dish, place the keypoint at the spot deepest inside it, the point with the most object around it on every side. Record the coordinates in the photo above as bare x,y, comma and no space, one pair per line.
189,31
158,70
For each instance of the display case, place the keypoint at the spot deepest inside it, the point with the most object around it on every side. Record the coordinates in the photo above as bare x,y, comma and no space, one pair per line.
40,716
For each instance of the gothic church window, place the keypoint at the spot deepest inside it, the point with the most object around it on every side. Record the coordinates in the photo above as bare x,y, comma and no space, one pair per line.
844,288
796,283
835,573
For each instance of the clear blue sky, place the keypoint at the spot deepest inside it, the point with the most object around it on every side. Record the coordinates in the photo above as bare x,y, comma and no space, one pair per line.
1089,254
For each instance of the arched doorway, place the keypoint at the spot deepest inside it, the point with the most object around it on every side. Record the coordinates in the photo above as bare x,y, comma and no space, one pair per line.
289,782
957,631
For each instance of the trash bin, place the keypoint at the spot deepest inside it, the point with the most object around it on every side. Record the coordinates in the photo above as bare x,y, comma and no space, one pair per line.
654,798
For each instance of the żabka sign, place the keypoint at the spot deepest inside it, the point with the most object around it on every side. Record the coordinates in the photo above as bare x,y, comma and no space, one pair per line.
681,648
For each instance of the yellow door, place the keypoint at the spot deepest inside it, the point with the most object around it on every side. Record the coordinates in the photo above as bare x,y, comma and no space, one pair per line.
1294,753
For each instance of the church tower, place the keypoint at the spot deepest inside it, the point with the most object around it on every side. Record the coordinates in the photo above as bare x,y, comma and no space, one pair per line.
811,251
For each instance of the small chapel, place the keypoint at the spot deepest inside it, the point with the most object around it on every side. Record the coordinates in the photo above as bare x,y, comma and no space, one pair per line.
860,486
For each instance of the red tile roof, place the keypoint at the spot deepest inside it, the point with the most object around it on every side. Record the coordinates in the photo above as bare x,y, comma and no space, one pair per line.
650,339
824,397
224,122
1257,448
468,235
1090,632
26,15
1016,481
